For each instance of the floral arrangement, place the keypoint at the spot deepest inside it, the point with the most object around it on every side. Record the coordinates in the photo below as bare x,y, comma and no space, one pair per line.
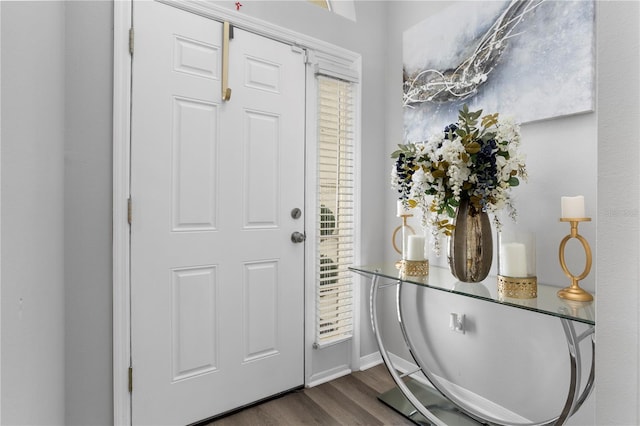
476,158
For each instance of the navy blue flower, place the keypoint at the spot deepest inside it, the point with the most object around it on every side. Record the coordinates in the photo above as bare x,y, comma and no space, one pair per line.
405,168
451,128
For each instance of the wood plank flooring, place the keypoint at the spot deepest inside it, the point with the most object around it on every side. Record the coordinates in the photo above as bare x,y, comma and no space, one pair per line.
349,400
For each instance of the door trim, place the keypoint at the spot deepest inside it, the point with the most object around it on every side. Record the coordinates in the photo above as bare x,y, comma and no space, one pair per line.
0,223
121,242
122,78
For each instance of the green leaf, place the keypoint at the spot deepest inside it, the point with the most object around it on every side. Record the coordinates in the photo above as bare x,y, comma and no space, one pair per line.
438,173
513,181
490,120
473,148
450,211
488,136
475,115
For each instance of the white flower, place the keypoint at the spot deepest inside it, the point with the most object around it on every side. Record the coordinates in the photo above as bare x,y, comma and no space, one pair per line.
418,176
449,169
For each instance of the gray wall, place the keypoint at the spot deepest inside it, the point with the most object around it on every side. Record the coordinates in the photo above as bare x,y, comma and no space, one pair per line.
32,213
87,200
56,213
618,305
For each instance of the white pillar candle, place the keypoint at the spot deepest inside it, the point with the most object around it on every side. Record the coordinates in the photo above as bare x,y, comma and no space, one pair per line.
415,247
401,210
572,207
513,260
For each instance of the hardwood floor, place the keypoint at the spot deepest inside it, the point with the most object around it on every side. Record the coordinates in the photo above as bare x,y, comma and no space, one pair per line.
349,400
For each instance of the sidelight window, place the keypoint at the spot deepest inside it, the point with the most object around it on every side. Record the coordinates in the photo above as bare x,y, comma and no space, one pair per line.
335,210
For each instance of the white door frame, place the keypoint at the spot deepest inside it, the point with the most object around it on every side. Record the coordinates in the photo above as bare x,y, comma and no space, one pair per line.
121,165
0,224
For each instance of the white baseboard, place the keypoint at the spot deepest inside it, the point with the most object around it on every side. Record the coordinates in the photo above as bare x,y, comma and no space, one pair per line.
369,361
328,375
366,362
404,366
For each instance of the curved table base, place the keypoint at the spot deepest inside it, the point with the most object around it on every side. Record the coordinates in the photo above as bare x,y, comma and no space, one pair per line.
438,405
574,400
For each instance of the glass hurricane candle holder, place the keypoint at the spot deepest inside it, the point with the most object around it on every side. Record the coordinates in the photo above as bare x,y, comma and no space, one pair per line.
517,264
414,262
404,230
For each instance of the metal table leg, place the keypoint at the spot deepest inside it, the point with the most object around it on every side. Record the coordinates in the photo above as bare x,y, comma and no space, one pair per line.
574,400
387,361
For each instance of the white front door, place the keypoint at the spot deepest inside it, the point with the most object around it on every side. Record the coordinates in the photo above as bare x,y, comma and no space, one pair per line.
216,281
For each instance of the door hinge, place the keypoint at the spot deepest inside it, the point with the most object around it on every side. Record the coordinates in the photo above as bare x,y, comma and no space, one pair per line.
129,210
130,379
131,41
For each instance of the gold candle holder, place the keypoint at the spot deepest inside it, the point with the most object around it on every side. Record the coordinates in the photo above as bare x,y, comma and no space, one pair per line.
517,288
574,292
414,268
404,227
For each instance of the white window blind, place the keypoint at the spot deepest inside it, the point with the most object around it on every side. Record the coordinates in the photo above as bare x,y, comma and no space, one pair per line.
335,192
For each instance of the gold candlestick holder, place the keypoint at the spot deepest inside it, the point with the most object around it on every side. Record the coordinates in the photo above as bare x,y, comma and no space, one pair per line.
574,292
402,228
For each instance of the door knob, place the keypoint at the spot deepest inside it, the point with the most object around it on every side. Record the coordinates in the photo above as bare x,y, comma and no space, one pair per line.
298,237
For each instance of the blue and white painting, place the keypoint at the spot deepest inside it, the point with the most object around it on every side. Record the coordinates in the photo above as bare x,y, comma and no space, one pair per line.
532,60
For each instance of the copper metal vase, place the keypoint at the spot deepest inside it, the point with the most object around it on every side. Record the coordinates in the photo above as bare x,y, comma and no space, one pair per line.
471,244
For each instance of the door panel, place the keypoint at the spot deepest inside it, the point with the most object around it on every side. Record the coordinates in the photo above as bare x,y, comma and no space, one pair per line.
194,326
194,181
261,170
216,283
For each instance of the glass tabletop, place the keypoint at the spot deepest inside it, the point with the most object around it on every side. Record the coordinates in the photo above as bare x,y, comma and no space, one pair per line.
440,278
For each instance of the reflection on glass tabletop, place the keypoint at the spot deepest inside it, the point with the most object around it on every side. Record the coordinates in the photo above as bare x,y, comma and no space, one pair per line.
440,278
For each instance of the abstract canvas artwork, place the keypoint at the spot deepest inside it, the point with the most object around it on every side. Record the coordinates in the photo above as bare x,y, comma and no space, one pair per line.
532,59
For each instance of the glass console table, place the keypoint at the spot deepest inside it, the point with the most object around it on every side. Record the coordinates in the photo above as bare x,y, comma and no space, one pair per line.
437,405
